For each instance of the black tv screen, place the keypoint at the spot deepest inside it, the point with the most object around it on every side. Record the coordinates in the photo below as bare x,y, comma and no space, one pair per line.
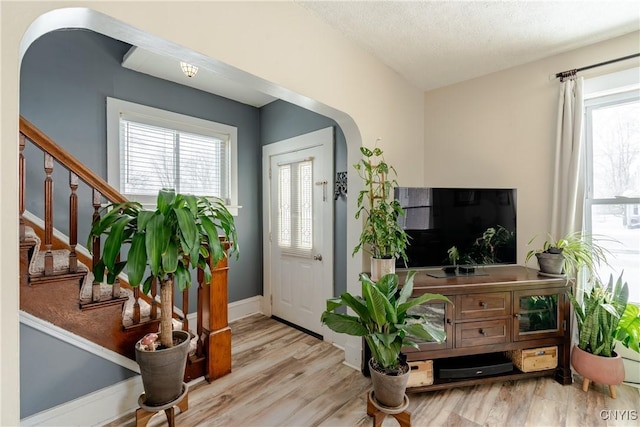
437,219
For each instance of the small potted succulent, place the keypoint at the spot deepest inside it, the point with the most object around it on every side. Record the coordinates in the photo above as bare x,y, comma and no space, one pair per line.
183,233
382,235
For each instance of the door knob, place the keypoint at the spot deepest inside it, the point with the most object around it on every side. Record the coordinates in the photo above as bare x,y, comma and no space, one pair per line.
317,257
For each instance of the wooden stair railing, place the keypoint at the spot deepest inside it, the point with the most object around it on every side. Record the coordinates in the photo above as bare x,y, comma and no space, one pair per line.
212,357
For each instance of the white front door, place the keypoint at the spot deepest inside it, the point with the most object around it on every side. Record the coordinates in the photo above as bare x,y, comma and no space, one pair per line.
298,249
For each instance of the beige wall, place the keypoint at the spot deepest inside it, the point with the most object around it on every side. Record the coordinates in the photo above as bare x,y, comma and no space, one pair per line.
278,47
499,130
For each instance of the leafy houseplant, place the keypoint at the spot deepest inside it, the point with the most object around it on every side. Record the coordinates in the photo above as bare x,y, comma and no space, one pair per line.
598,312
382,235
598,315
485,249
181,234
572,252
383,318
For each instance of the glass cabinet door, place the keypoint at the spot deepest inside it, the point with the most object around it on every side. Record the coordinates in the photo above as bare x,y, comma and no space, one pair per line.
538,314
439,316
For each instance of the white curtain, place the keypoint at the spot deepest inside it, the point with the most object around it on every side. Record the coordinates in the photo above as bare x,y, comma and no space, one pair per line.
568,186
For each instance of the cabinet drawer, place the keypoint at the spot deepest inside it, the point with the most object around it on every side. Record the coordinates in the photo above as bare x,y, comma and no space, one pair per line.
482,333
482,306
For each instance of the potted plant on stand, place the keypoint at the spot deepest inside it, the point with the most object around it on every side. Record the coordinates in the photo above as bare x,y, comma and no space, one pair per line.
382,317
598,312
382,235
568,254
180,235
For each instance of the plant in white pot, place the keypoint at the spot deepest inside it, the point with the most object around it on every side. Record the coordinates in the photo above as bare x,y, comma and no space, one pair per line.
382,235
167,243
383,318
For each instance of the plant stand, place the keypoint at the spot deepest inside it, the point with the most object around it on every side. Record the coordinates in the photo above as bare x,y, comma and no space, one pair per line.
379,412
587,381
144,413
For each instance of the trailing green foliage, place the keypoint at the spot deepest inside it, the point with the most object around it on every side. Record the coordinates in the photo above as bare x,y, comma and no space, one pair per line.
381,233
578,250
628,331
484,249
383,317
166,243
598,312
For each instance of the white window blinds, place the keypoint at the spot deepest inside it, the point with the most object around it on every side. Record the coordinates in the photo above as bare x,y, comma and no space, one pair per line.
153,157
295,213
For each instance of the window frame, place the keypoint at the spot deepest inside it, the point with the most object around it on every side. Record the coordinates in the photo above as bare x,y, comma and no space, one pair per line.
117,108
593,102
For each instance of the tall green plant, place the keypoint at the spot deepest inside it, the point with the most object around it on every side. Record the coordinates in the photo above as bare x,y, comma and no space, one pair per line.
598,315
382,234
382,317
168,242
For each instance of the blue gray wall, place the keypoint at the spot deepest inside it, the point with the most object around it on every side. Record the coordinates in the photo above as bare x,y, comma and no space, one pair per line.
49,382
65,79
281,120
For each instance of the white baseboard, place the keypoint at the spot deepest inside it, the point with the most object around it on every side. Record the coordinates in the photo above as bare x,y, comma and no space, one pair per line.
245,307
96,408
110,403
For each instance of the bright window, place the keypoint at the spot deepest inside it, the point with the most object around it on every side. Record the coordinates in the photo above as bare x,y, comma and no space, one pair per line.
612,136
150,149
295,213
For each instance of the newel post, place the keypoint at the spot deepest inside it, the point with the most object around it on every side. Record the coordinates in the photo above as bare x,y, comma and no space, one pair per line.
215,319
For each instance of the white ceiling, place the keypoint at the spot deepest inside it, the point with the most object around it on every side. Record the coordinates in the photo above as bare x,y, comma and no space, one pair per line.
438,43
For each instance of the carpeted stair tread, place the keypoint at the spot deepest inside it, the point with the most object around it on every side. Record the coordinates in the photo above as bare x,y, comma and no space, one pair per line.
61,266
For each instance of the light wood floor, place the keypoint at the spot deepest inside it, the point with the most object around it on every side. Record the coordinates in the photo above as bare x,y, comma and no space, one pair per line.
283,377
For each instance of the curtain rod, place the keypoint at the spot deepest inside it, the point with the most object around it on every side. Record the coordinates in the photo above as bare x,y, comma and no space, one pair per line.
568,73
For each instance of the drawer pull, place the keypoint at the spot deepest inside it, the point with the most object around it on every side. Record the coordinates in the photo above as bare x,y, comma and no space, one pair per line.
483,332
484,305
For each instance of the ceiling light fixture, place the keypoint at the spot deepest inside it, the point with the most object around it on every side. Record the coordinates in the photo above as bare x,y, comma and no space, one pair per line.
188,69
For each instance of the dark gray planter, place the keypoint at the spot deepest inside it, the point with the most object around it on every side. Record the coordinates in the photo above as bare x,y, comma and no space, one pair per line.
388,390
162,371
550,263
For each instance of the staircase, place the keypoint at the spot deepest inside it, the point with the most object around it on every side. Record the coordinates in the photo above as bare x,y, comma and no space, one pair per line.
57,283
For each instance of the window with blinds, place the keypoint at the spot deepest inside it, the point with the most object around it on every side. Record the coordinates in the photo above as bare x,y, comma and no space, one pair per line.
154,157
150,149
295,208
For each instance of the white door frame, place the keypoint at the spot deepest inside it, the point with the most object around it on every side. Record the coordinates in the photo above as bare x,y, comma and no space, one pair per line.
301,142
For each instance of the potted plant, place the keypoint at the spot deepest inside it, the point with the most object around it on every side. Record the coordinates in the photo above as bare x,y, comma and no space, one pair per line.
382,235
181,234
598,311
485,249
383,318
568,254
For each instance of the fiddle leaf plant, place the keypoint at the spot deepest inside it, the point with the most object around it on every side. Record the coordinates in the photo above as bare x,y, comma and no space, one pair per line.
384,318
183,233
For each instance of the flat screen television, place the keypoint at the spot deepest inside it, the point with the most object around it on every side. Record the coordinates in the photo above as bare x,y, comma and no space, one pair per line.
437,219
